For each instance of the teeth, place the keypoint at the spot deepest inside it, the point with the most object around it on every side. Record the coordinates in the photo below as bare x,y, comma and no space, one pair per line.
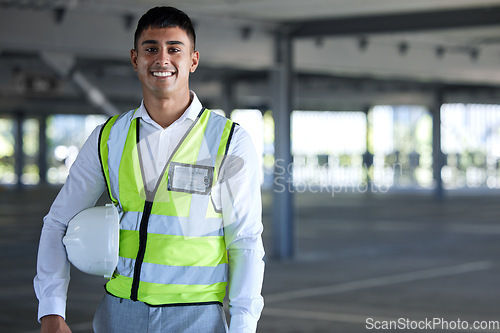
163,74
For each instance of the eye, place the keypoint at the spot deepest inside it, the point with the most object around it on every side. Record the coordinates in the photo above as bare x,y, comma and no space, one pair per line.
174,50
151,49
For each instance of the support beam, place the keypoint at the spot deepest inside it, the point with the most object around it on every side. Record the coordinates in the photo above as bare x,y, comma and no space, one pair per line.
399,22
368,155
94,94
18,148
63,65
42,149
228,96
437,154
282,212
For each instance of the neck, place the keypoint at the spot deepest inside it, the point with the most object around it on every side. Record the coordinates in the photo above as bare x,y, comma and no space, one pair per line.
164,111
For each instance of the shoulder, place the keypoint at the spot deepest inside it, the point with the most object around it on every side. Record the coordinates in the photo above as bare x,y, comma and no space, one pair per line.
240,141
241,138
241,152
126,116
119,121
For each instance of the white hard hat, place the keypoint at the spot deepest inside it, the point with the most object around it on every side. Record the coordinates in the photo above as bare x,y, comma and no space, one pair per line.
92,238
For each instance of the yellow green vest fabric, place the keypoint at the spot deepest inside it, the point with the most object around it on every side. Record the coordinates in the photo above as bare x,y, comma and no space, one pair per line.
172,248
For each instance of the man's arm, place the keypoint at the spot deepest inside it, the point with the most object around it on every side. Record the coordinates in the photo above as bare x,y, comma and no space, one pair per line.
82,189
241,210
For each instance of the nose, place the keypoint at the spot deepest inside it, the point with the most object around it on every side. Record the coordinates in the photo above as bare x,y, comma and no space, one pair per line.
163,57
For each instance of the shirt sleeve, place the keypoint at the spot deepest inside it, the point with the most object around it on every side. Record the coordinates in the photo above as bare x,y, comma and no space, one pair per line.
82,189
240,198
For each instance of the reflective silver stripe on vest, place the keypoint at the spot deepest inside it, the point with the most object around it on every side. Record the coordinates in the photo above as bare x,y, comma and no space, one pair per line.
174,225
117,138
211,139
190,275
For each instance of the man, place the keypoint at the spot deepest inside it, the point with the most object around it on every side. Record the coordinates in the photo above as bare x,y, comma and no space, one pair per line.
182,237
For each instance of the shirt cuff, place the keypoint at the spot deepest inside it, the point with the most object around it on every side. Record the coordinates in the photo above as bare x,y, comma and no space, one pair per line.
242,324
52,306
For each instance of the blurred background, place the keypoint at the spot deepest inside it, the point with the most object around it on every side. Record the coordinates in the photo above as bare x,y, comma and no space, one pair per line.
376,122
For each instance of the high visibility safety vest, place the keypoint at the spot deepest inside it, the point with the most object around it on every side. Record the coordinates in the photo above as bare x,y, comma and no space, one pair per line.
172,248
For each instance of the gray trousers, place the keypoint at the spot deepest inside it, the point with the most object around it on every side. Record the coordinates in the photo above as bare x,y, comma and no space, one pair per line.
122,315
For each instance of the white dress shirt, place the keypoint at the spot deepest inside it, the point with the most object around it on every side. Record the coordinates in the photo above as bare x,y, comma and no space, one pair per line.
237,193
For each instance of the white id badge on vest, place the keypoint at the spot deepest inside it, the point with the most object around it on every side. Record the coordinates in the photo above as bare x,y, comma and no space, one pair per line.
190,178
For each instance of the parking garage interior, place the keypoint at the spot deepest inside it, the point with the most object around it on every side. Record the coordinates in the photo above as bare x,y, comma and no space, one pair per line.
377,126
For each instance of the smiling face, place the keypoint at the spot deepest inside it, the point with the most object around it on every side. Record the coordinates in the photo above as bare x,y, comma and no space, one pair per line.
163,60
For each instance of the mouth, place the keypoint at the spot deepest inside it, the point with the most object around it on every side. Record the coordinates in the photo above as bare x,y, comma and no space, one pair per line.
163,73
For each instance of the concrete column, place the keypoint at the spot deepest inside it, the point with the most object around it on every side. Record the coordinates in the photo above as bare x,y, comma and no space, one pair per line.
42,149
368,155
18,148
228,96
437,155
282,211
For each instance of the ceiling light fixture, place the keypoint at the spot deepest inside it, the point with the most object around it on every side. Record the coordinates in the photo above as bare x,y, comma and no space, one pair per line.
403,48
363,43
319,41
246,32
440,50
474,54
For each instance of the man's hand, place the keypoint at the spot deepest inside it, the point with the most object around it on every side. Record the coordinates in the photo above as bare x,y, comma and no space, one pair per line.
54,324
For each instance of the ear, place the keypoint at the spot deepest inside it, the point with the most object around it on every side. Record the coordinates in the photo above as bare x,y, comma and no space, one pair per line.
133,58
195,59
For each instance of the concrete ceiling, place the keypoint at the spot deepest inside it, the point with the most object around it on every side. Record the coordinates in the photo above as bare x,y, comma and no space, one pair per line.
256,10
351,43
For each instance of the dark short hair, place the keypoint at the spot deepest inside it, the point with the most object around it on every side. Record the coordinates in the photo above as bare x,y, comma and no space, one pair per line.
165,17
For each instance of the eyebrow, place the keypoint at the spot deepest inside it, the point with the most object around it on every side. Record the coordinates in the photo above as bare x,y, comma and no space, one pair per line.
155,42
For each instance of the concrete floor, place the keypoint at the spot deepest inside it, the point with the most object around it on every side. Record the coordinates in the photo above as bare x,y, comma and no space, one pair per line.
396,256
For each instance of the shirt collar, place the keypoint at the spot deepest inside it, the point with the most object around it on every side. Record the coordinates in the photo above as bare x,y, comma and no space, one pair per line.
191,112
